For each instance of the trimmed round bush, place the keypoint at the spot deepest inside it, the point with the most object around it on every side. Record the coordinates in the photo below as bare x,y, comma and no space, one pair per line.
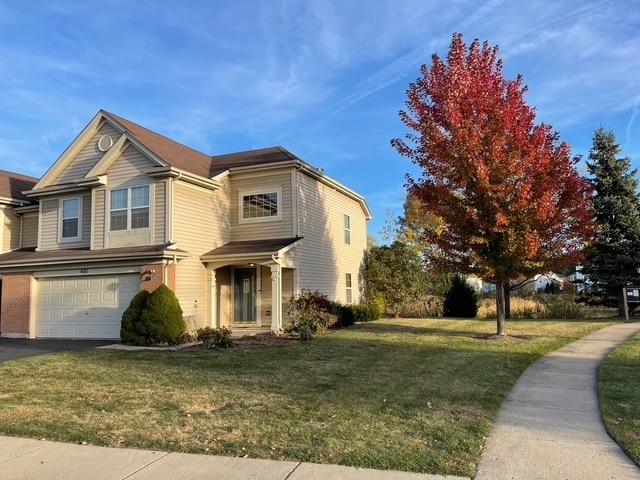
162,319
129,328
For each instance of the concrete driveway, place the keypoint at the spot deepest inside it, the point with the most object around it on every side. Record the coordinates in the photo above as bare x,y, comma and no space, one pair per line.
15,348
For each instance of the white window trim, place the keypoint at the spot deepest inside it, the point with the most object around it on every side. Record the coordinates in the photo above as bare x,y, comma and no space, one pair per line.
61,219
346,229
128,209
348,289
242,194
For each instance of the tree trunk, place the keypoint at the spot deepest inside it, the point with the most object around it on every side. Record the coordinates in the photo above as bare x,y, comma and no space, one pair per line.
500,309
507,302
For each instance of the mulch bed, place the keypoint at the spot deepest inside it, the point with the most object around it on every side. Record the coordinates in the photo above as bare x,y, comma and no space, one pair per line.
253,341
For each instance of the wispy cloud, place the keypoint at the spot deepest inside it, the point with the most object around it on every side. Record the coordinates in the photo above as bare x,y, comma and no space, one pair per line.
323,77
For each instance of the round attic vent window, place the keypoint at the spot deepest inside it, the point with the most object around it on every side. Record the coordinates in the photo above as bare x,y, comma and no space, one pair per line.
104,143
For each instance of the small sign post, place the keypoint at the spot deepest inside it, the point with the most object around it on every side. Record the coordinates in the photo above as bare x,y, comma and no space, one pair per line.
630,295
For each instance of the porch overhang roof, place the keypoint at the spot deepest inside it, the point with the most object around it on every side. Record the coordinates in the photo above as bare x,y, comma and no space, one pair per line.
30,258
272,247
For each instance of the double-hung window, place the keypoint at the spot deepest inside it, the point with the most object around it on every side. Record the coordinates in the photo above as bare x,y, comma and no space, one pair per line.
347,230
129,208
349,289
70,226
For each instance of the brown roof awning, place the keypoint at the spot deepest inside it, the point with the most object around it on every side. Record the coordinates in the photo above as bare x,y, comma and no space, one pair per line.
252,247
30,257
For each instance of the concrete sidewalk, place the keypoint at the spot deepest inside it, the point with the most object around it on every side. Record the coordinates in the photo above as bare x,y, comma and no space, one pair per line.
23,459
550,426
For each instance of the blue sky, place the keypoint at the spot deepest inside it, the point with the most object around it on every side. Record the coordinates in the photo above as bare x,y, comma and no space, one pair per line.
323,78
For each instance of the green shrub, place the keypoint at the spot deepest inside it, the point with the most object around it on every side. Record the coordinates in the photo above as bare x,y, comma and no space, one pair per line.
461,300
129,327
215,337
161,320
310,312
346,315
364,313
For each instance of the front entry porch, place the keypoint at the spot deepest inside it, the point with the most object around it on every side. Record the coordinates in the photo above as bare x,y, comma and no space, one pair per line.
250,287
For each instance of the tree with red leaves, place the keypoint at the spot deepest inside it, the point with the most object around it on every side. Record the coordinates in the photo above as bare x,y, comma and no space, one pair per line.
510,198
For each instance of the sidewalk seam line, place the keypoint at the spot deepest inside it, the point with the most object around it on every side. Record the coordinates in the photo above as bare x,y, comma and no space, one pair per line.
129,475
28,452
292,471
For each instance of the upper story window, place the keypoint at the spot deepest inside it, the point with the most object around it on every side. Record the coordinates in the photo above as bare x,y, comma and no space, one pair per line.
260,206
347,230
129,208
70,219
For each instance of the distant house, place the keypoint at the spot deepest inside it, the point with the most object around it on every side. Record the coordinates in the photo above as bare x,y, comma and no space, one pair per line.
479,285
125,209
548,281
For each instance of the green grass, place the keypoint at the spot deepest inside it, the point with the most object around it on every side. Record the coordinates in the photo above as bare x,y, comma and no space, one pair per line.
414,395
619,392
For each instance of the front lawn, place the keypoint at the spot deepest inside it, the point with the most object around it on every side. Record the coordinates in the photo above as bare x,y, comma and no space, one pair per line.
619,391
416,395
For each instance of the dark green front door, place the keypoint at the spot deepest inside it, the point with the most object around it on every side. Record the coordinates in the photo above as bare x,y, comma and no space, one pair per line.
245,295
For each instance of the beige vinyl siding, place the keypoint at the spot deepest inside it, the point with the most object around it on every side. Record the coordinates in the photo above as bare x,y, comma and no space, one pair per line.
10,229
99,219
86,221
160,213
88,156
250,230
50,223
128,170
265,296
288,291
224,303
266,302
29,230
323,256
199,218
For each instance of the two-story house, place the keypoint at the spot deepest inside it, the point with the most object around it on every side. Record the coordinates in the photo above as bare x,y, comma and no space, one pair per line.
124,209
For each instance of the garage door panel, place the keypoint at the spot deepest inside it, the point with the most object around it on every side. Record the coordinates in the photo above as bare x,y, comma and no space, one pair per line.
84,307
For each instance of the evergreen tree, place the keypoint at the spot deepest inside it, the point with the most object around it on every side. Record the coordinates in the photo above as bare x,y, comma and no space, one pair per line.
461,300
613,257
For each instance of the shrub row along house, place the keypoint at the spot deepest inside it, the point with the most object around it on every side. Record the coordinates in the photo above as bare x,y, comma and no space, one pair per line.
125,209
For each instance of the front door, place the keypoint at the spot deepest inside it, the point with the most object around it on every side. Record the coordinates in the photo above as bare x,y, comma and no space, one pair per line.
245,295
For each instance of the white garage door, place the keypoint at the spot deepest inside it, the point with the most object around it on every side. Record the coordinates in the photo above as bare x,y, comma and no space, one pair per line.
84,307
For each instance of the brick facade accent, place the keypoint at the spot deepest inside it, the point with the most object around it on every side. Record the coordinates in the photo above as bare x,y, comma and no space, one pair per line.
16,304
152,276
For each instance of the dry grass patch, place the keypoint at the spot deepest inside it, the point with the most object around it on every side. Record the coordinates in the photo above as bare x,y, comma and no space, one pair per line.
415,395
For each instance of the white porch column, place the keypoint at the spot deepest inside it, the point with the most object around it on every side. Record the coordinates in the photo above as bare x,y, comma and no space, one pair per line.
276,298
213,303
